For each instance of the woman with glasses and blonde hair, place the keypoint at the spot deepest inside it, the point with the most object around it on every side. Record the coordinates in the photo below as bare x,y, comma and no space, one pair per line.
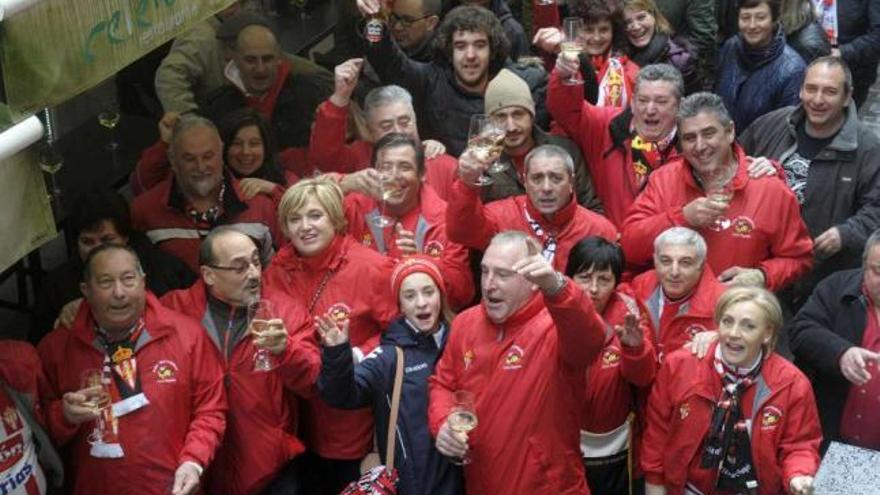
334,277
651,41
741,419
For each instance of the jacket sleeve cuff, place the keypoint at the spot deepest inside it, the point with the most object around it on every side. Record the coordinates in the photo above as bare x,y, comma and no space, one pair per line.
676,216
654,478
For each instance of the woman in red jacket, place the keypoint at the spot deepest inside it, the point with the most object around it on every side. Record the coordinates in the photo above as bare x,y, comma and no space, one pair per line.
336,277
627,361
739,420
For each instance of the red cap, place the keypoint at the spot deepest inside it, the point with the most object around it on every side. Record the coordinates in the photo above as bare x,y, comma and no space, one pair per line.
416,264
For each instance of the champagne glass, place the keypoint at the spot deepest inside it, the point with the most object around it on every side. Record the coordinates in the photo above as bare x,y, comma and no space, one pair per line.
109,119
387,189
263,318
463,417
719,190
573,44
98,398
51,161
486,140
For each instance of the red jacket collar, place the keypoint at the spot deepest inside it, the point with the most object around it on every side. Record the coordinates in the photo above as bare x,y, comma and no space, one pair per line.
265,104
156,326
775,375
740,180
558,220
331,258
521,316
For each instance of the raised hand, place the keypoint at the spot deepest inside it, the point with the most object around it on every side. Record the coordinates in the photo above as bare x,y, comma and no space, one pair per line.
345,79
630,333
332,332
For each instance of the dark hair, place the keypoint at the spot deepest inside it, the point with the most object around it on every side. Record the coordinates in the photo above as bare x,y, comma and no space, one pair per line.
98,206
207,256
397,139
831,61
774,5
593,11
245,117
94,253
475,20
595,253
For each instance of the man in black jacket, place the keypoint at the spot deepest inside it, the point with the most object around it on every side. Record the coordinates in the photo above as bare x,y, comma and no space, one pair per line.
831,162
516,35
836,338
470,48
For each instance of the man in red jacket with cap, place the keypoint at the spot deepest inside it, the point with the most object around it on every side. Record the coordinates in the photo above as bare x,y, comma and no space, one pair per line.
523,353
261,438
752,227
548,210
137,393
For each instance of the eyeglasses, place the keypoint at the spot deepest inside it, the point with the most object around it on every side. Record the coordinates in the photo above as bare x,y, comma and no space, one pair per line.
406,22
240,268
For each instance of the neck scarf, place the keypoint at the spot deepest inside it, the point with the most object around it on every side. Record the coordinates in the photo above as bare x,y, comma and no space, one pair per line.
728,446
212,214
648,155
548,240
652,53
826,11
612,84
120,377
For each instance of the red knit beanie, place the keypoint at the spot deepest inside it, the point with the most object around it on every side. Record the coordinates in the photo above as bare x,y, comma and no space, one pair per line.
416,264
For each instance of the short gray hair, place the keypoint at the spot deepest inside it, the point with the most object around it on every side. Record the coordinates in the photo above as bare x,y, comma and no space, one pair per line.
184,124
551,151
513,237
88,263
386,95
872,241
660,72
681,236
704,102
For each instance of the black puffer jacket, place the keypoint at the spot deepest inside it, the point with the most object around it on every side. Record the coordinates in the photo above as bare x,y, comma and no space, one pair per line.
810,42
443,106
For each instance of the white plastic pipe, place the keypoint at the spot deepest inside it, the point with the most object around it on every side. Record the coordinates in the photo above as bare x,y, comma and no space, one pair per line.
9,8
20,136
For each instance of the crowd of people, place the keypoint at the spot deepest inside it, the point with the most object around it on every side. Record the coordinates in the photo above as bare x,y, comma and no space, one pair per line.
640,254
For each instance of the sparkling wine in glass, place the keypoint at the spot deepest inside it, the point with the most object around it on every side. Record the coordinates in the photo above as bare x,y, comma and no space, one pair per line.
388,189
463,417
109,119
719,190
97,392
572,45
262,319
485,141
51,161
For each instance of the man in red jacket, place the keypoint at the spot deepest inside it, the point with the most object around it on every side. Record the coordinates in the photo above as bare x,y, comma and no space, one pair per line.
177,212
261,438
681,291
548,210
416,213
388,109
523,353
753,228
155,371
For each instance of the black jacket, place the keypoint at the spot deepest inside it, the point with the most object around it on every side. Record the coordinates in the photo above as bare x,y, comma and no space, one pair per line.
516,35
858,24
843,183
832,321
444,108
810,42
421,467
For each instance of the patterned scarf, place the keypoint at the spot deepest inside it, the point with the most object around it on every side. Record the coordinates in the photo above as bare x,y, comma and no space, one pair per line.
612,82
727,446
648,155
548,240
826,11
119,375
212,214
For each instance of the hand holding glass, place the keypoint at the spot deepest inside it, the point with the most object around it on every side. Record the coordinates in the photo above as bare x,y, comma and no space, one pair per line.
463,418
97,395
572,45
387,189
486,142
262,319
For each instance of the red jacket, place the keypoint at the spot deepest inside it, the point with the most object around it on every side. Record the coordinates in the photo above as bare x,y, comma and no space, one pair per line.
184,420
159,213
785,430
694,316
358,288
260,436
527,375
428,222
762,227
606,149
470,222
329,153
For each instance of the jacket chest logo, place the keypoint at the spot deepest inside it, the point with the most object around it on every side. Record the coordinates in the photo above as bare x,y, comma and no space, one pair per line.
693,330
770,418
339,312
367,239
11,420
165,371
610,358
468,358
513,360
743,227
434,249
684,410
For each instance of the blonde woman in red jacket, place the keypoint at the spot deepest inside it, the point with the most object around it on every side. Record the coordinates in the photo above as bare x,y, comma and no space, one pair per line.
741,419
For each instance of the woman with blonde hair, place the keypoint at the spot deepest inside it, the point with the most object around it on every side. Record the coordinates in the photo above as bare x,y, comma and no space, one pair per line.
741,419
334,277
650,40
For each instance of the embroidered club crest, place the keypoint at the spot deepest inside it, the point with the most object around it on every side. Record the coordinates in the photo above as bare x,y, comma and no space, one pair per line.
367,239
165,371
770,418
694,329
434,249
11,420
743,226
684,410
611,357
468,358
339,312
514,358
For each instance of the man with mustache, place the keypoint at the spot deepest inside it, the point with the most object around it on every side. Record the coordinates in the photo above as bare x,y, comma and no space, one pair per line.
199,195
223,300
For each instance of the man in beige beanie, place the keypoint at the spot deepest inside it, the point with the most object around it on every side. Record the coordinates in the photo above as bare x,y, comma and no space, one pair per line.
509,101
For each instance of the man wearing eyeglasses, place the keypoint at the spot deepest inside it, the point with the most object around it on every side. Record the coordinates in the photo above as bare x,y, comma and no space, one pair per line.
412,26
260,441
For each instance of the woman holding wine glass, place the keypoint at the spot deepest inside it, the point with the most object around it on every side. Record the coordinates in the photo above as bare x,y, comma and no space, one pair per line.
420,332
335,277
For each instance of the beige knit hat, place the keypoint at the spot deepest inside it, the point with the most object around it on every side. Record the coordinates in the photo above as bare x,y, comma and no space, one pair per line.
506,90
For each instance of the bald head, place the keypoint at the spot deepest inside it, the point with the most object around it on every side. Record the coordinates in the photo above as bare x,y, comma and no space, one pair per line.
257,56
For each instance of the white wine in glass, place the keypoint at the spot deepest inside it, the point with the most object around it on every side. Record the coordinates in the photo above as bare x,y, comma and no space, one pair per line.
572,45
51,161
463,417
109,119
